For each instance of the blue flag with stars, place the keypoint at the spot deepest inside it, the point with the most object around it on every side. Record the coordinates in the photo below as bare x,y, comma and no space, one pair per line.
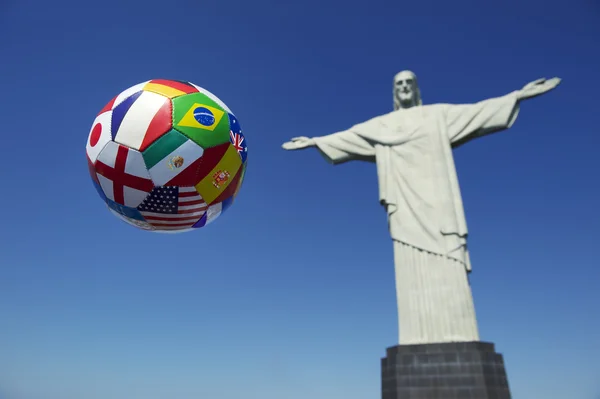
236,137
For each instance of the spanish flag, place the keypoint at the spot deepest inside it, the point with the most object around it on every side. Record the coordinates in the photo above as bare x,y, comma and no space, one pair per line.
221,176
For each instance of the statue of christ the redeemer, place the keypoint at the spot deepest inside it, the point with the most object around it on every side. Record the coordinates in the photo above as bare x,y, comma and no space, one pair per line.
418,187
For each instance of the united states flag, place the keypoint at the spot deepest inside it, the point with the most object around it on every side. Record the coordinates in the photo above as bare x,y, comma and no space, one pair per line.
173,208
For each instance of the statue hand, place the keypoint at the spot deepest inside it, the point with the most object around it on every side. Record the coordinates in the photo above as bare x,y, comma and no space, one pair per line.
298,143
537,87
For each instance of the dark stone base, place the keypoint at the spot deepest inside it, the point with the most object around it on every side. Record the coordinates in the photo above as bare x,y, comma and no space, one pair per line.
461,370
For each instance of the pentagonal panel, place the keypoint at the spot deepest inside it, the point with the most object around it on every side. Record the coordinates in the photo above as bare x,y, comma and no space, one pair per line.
170,88
123,175
173,159
220,176
141,119
173,208
201,119
236,137
99,135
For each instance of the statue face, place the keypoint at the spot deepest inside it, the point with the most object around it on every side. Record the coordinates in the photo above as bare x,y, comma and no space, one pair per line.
405,89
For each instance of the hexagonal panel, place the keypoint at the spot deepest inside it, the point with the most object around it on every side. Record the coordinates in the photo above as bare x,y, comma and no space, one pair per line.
123,175
231,189
173,160
173,208
220,176
141,119
170,88
201,119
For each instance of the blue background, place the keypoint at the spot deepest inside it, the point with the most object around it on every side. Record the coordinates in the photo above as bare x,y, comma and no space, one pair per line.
290,295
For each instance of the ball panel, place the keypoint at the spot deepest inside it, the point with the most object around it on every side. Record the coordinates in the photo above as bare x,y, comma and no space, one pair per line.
219,177
119,112
141,119
100,191
203,166
241,181
212,97
201,119
127,93
201,223
133,222
95,181
212,213
126,211
99,135
94,177
92,170
173,208
123,175
238,141
229,191
226,204
108,106
236,137
173,160
170,88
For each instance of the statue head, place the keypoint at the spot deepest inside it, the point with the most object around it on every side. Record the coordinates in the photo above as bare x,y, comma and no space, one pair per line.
406,90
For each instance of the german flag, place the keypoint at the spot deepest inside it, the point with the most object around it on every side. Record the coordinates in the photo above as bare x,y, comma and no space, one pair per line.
169,88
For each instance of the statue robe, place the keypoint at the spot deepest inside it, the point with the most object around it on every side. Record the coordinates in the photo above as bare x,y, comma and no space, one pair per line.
418,186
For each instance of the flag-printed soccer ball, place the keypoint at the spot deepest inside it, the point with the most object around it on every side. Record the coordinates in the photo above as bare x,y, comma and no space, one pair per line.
167,156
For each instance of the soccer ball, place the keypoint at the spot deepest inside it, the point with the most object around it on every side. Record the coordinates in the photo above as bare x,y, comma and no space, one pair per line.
167,156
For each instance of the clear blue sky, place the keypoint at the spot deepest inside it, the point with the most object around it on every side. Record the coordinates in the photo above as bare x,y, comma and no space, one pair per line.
290,295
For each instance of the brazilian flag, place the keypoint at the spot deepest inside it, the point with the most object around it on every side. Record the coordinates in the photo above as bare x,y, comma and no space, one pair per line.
201,119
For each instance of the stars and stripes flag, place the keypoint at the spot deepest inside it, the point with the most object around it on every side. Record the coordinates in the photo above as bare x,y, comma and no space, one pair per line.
173,208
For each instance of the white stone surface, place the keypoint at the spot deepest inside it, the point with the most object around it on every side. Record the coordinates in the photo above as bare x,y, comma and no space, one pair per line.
418,187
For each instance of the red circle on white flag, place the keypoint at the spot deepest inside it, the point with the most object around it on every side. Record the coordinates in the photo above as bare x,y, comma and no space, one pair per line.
96,133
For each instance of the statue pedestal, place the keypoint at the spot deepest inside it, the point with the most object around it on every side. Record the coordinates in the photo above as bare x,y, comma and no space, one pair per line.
454,370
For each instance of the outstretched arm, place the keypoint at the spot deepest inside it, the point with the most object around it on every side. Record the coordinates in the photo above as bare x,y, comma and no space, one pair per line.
468,121
537,88
336,148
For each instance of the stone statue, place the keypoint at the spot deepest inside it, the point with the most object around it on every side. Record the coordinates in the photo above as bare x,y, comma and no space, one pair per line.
418,187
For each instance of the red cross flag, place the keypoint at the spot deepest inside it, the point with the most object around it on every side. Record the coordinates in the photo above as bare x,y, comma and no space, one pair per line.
123,175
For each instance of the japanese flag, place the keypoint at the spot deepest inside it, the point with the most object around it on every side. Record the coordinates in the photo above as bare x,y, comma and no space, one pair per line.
99,135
